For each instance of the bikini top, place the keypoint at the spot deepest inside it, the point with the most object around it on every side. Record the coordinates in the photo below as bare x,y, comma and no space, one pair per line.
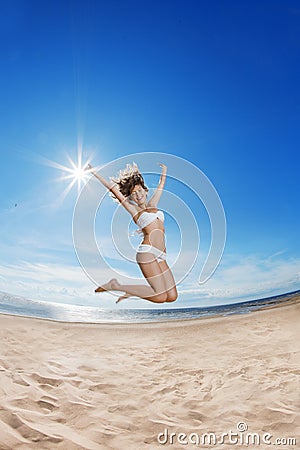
148,217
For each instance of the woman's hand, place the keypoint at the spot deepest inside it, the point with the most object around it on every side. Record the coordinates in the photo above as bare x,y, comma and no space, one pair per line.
92,170
163,169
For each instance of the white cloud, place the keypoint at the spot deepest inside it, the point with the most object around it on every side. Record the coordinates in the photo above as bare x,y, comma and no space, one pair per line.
49,282
65,283
239,277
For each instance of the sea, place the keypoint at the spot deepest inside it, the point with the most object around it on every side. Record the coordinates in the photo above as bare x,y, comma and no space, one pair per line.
19,306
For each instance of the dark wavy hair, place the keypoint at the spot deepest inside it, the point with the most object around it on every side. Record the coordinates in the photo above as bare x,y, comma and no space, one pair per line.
128,179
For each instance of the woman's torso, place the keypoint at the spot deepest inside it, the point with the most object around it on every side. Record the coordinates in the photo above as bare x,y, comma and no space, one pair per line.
152,226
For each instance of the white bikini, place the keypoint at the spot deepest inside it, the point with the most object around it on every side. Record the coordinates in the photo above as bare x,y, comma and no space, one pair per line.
148,217
145,219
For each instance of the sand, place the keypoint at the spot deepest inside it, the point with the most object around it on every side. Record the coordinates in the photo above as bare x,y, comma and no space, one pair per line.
83,386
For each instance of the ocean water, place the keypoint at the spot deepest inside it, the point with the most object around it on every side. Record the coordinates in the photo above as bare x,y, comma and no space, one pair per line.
19,306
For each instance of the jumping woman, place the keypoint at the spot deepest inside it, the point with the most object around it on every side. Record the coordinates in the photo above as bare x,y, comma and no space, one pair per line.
130,190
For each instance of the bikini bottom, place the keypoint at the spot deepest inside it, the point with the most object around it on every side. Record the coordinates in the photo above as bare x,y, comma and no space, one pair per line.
159,255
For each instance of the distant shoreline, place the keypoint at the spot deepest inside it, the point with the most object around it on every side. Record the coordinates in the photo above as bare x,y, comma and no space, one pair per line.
274,302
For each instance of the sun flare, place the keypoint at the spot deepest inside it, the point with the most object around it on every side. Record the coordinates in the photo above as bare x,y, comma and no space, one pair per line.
79,174
76,172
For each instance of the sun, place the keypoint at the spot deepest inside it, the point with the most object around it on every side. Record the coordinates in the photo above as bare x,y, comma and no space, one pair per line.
76,172
79,174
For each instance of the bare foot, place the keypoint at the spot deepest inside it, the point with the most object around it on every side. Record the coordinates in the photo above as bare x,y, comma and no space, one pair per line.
112,285
123,297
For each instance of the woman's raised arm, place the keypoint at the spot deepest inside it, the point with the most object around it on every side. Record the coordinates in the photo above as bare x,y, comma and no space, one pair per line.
108,184
158,191
112,187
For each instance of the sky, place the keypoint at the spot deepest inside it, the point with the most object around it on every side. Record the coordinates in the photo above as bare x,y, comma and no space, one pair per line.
213,82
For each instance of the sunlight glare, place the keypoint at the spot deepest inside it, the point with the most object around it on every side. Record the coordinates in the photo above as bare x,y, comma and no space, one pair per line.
76,172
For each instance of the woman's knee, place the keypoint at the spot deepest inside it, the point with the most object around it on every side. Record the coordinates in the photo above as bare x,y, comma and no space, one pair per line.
160,298
172,296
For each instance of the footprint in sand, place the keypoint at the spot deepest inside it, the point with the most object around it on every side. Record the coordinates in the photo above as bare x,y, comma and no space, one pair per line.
54,382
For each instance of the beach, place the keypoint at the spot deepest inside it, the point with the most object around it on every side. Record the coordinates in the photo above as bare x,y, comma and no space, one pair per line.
130,386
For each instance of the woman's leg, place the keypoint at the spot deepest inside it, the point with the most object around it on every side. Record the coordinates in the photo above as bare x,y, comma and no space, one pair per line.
170,283
151,269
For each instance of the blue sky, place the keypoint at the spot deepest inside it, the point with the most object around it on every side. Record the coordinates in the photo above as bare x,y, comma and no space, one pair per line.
214,82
